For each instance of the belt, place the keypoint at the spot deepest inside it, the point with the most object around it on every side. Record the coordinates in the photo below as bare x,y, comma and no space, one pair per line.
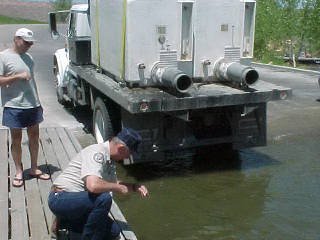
56,189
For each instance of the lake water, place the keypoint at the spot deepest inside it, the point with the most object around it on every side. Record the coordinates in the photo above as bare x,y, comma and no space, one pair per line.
269,193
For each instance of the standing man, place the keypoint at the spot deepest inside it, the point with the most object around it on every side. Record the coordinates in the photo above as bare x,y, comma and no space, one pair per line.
21,103
80,196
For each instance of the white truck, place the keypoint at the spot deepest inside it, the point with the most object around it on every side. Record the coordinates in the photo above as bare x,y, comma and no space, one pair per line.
174,70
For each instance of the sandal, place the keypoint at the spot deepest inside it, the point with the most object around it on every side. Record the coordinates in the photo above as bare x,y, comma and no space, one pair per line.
41,175
17,182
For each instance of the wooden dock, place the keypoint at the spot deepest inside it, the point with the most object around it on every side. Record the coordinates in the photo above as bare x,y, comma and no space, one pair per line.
24,211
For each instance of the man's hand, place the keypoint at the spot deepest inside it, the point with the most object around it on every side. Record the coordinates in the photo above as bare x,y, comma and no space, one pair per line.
24,75
7,80
133,187
142,190
97,185
122,189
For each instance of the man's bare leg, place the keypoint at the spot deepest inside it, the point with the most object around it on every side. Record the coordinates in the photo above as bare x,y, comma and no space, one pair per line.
16,152
33,136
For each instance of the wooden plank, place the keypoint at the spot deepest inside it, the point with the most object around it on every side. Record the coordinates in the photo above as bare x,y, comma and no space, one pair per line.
68,146
122,222
46,157
50,159
4,193
57,145
18,211
55,156
36,216
74,140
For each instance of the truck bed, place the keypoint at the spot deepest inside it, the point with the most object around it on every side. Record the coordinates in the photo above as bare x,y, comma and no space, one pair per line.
201,95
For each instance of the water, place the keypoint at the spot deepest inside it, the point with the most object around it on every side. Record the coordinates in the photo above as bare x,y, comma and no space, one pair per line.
263,193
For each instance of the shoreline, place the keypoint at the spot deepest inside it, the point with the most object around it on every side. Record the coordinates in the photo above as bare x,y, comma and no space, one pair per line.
26,10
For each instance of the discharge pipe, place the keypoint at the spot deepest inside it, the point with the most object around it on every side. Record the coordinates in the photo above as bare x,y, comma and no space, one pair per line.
173,78
236,73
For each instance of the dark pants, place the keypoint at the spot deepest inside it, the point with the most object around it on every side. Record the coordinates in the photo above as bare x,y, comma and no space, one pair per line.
85,212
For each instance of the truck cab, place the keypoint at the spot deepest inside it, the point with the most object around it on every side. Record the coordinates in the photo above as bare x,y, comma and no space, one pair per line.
77,47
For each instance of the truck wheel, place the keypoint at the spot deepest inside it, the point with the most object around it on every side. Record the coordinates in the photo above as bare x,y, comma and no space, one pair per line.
60,98
59,90
102,125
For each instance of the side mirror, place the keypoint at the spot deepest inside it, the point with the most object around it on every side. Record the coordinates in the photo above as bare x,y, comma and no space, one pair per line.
53,26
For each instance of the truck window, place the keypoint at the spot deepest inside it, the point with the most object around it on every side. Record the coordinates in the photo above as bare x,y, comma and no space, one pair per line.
71,32
248,29
186,31
79,26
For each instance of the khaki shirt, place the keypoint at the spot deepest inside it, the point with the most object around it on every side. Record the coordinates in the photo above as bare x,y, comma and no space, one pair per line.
92,160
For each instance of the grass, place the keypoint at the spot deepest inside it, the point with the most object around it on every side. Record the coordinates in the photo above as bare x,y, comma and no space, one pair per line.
272,60
10,20
280,62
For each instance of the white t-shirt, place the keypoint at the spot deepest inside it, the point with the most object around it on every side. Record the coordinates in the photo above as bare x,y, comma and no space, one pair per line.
20,93
92,160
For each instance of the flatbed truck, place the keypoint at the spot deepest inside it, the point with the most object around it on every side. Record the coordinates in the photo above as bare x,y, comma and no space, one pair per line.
176,71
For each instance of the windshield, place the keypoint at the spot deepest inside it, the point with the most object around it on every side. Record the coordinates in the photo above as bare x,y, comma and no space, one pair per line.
79,25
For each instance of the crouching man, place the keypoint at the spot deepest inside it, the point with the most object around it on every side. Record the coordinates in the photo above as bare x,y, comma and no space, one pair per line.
80,196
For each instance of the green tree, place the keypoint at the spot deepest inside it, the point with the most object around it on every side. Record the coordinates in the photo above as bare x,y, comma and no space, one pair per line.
59,5
292,26
314,23
267,28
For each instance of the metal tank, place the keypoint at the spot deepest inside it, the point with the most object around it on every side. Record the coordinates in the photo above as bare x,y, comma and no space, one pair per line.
172,44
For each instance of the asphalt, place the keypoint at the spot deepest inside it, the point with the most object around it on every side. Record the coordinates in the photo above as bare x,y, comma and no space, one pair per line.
283,68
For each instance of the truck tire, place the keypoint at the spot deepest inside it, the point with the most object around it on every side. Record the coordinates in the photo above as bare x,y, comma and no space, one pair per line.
59,90
102,125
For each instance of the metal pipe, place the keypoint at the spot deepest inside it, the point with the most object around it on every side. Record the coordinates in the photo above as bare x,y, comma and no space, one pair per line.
174,78
236,73
243,74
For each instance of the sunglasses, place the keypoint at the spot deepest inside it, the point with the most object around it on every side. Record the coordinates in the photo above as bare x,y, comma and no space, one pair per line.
27,43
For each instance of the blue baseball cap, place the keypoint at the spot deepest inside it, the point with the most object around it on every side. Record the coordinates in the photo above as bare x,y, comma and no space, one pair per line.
131,138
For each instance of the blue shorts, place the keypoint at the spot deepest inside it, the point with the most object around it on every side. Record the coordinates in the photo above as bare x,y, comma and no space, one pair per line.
21,118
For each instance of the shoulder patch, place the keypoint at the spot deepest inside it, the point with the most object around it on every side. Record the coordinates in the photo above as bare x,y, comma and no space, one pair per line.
98,157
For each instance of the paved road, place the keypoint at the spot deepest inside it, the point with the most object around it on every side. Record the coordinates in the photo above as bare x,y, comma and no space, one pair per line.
301,113
305,85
